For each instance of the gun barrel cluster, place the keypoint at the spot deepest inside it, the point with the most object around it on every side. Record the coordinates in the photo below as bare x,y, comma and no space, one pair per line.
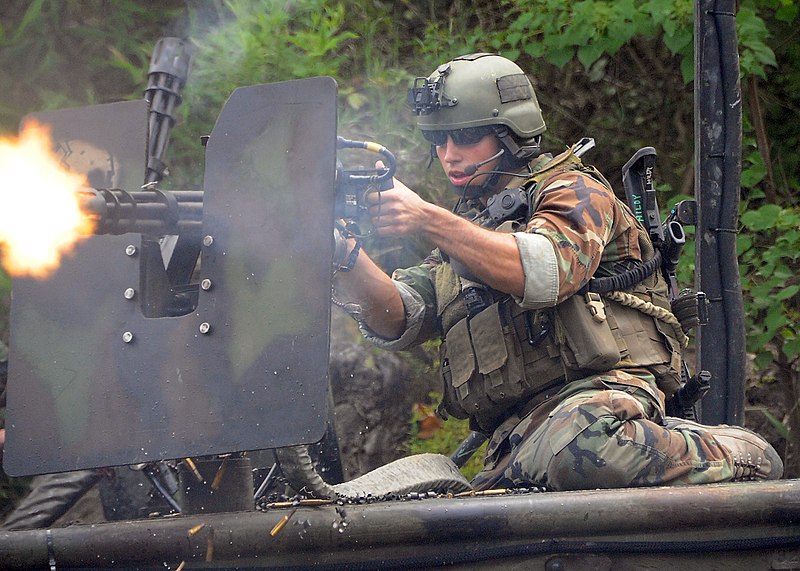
151,211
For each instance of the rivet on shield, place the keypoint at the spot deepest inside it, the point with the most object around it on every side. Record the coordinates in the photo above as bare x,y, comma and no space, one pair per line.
129,293
127,337
205,328
130,250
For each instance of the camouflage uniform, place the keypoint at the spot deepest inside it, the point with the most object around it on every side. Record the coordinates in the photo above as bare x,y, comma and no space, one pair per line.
606,428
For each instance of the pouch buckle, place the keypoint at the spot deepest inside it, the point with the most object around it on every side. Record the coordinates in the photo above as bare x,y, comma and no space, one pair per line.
596,307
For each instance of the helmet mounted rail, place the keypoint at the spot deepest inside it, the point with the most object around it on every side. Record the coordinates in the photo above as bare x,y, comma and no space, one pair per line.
428,95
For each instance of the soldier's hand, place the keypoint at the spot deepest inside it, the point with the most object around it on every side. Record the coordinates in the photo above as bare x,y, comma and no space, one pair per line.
398,211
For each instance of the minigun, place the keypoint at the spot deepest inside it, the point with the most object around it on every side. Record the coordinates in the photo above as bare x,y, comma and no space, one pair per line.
149,211
178,355
154,212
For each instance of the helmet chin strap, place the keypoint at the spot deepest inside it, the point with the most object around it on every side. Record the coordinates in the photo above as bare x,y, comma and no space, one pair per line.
520,153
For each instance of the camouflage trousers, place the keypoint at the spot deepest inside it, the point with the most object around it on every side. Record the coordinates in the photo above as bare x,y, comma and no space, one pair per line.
605,431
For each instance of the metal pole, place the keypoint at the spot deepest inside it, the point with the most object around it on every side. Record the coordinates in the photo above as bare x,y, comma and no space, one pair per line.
688,519
718,134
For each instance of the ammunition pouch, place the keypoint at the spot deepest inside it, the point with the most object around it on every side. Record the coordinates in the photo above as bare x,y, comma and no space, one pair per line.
496,362
584,329
598,334
488,367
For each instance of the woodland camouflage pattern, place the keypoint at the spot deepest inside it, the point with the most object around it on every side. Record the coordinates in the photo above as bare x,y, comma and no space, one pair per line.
601,432
607,429
591,231
588,227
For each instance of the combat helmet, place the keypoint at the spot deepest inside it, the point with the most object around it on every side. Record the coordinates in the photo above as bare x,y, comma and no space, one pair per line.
478,90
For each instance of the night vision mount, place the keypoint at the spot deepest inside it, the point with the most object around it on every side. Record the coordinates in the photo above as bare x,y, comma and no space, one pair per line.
427,96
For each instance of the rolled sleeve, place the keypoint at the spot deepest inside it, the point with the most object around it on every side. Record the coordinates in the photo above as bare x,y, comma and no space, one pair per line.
415,315
541,271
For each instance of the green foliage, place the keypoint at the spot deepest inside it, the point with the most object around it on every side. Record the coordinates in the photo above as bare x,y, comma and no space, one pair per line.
769,254
779,98
776,423
589,29
770,235
754,53
444,439
60,53
263,41
243,43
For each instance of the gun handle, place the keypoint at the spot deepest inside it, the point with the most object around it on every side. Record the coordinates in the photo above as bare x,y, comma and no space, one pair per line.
640,192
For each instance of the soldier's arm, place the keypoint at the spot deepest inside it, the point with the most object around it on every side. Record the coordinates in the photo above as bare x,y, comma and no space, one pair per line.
576,215
368,286
491,256
541,267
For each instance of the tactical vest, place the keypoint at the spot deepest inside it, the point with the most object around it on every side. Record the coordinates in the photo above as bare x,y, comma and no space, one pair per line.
504,359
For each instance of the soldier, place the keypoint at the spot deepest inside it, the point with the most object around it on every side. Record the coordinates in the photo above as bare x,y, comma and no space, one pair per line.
569,384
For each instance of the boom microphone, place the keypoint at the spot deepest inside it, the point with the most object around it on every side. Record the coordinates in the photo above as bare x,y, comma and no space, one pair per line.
473,168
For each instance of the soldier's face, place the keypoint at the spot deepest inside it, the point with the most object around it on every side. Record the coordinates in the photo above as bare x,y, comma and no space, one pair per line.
456,158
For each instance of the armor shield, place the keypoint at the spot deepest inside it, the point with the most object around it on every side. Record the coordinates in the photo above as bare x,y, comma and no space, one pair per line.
93,382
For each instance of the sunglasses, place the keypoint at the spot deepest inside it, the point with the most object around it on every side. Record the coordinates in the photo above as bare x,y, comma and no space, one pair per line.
466,136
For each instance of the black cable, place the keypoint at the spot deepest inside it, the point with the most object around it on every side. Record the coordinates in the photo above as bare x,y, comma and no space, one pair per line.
625,280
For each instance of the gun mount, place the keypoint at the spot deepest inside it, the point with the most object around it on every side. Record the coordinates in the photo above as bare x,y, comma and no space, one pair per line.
352,185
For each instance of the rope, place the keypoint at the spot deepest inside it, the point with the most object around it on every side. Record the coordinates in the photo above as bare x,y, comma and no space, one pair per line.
652,310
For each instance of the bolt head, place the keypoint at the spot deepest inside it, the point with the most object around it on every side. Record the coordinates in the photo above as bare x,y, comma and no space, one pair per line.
130,250
205,328
127,337
208,240
130,293
205,284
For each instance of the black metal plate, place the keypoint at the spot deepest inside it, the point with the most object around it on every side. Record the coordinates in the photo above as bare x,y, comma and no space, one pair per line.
79,397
